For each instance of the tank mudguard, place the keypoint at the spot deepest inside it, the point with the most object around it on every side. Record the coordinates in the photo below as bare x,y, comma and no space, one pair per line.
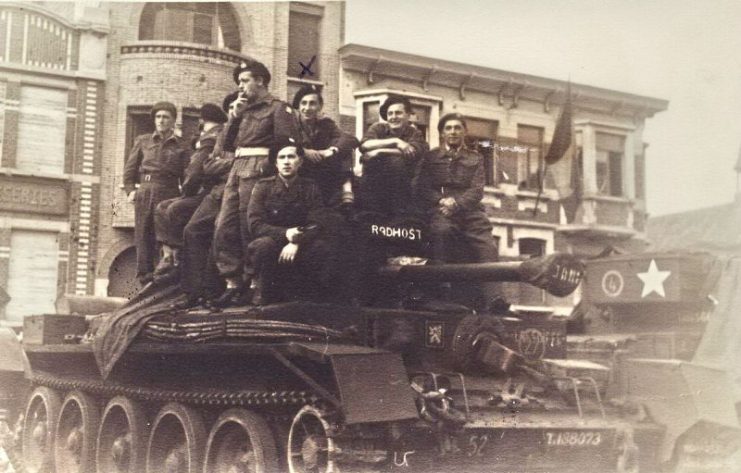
372,384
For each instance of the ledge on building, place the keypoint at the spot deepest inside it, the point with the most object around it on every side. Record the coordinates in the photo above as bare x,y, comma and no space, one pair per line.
595,231
184,49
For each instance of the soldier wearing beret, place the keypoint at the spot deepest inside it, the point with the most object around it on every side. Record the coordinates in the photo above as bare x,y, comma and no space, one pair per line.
328,152
176,218
291,259
157,163
258,121
449,187
391,150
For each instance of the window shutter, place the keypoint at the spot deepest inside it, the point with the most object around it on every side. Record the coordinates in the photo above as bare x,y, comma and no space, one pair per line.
42,127
32,273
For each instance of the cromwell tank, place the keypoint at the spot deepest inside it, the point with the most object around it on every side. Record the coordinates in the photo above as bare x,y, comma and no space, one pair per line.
667,326
413,383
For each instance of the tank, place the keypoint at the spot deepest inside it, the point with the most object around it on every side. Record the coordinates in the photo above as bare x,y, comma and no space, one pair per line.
666,324
415,382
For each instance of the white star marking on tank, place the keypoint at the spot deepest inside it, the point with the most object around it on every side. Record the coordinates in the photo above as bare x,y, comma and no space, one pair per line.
653,280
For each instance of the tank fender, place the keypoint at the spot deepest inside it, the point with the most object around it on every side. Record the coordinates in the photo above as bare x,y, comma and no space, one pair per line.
372,384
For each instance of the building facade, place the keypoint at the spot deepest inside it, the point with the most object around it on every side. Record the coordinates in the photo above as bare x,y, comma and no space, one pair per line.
52,77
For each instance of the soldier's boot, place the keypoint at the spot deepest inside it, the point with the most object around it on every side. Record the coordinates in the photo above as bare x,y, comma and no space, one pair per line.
170,261
233,295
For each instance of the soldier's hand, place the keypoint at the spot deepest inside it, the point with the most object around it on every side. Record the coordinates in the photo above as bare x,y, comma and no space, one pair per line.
313,155
288,254
406,149
238,106
293,234
130,197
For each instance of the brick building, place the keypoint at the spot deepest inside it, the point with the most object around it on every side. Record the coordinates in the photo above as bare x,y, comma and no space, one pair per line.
122,57
52,76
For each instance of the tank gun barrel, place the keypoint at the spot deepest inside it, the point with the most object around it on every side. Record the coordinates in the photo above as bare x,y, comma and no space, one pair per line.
558,273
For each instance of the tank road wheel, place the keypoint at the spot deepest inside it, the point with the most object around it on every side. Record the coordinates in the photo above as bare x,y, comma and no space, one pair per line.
241,442
177,441
77,427
311,449
122,438
42,412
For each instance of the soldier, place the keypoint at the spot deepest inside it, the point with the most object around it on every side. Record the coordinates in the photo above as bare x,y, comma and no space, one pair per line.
157,162
259,121
328,151
279,216
173,216
391,150
450,187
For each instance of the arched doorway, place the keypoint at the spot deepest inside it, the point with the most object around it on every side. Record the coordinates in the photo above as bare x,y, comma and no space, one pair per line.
122,280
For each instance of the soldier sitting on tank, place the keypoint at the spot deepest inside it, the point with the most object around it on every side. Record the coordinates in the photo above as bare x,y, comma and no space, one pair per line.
391,150
172,215
328,152
288,252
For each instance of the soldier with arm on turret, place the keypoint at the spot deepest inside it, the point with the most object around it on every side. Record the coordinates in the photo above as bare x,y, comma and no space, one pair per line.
391,150
157,163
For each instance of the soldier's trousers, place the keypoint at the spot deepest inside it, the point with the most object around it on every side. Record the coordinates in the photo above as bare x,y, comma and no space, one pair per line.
464,237
171,217
386,186
199,276
146,199
311,276
232,234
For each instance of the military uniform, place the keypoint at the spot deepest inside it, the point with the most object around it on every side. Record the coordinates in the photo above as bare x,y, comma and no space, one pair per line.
458,174
249,137
274,208
158,166
386,183
332,172
188,222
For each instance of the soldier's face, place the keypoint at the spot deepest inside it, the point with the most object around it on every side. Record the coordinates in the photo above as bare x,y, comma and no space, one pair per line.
309,106
249,86
163,121
288,162
454,133
396,115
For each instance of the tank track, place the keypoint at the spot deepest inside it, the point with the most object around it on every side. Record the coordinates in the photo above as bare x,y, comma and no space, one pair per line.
200,398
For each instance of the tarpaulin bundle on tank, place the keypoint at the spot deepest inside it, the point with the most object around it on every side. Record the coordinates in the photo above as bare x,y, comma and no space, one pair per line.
151,317
227,326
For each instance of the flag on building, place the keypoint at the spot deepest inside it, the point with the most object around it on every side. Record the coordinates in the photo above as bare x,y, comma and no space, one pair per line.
562,136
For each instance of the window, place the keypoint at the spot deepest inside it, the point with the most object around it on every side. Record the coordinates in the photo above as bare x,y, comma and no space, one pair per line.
370,114
303,42
190,126
212,24
529,161
138,122
481,136
640,174
610,151
531,247
32,273
420,118
42,130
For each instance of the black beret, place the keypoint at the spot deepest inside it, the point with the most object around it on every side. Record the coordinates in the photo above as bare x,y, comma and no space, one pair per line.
210,112
228,100
307,90
450,116
166,106
391,100
257,69
283,142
